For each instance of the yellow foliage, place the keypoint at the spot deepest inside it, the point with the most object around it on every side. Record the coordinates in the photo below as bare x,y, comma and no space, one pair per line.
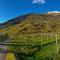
10,56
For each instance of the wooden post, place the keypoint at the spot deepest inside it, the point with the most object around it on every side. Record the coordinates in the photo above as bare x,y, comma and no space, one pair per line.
41,40
33,39
25,41
56,36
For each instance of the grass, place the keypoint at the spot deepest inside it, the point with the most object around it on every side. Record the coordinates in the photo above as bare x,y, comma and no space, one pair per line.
47,51
47,46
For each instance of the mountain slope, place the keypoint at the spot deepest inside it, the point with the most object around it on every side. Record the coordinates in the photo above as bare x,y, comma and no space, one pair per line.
32,23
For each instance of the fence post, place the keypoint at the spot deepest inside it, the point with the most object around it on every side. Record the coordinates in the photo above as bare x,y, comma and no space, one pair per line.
33,39
25,41
41,40
56,36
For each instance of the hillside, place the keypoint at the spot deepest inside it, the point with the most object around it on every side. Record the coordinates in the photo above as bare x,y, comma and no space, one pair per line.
32,23
19,32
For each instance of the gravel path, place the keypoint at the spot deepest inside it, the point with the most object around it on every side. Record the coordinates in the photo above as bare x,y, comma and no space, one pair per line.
2,56
2,53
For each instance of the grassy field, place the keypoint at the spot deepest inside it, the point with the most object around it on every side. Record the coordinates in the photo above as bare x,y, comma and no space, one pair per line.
43,47
35,46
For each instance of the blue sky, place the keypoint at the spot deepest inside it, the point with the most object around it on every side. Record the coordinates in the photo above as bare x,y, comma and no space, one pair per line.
12,8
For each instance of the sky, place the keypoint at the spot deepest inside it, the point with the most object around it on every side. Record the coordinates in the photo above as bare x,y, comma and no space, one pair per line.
13,8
